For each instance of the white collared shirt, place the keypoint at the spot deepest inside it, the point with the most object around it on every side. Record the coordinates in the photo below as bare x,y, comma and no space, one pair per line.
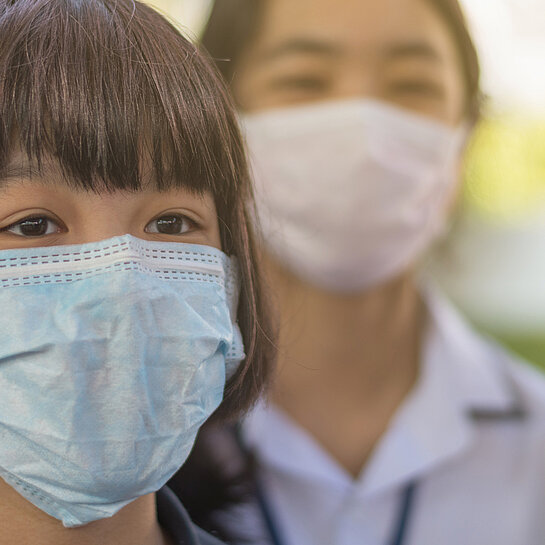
471,435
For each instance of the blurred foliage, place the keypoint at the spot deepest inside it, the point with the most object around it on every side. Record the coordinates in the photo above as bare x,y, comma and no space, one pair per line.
505,181
530,348
505,166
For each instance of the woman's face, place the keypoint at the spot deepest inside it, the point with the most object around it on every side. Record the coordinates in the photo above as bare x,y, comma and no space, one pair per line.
399,51
41,210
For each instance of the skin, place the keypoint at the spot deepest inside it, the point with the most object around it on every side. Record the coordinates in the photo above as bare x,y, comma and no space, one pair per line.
348,362
76,216
69,216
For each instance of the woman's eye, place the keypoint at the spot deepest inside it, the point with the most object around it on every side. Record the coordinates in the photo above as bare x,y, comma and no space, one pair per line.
417,88
170,224
300,84
36,226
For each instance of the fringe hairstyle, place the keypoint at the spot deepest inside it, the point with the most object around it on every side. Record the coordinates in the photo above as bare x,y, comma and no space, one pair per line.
106,86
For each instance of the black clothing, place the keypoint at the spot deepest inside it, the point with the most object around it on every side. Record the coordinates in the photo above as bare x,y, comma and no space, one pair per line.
174,519
218,477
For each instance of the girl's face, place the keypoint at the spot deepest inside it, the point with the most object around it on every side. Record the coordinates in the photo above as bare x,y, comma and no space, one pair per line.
42,210
399,51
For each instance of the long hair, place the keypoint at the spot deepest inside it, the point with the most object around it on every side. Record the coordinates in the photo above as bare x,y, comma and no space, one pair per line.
110,90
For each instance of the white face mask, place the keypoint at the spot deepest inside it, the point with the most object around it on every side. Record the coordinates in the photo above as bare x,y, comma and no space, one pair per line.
350,194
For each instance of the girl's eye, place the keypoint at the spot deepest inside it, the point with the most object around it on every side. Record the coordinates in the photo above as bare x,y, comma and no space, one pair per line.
35,226
170,224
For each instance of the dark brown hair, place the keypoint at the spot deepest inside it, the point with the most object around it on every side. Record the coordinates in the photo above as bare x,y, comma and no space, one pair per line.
233,25
102,86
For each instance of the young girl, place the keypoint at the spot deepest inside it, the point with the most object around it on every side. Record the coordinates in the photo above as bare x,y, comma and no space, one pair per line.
128,281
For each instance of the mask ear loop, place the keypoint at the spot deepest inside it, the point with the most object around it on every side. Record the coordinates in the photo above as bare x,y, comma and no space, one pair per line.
453,156
448,219
235,354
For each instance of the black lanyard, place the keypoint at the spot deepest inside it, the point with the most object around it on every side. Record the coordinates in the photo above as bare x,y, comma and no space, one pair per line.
400,527
406,505
405,511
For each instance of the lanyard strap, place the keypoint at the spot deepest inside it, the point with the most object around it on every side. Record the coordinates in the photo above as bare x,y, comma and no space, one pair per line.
273,528
401,525
399,534
407,502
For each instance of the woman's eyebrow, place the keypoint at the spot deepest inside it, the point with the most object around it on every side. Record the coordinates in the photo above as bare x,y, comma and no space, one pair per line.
418,49
319,47
301,45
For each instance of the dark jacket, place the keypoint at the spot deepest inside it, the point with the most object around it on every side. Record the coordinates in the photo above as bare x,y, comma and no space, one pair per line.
175,520
218,476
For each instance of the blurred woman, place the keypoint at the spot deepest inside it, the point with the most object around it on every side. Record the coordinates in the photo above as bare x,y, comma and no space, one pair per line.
390,421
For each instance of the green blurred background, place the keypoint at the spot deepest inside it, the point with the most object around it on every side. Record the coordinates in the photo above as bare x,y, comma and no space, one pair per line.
505,195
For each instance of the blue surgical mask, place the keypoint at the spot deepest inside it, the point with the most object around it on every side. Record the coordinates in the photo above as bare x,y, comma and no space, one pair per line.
112,355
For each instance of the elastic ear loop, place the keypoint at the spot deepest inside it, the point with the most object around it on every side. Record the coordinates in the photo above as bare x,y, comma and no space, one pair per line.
235,353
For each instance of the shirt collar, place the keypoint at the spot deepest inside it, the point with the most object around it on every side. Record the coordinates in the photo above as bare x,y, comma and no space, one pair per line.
476,367
461,374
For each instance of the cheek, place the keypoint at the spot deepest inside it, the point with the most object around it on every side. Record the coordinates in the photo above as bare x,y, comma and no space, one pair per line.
248,91
450,107
213,234
456,194
215,237
455,107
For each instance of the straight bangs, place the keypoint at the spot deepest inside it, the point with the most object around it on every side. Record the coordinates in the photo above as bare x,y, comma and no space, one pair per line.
114,94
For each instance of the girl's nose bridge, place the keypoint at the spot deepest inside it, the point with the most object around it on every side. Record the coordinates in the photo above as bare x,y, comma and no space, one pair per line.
105,216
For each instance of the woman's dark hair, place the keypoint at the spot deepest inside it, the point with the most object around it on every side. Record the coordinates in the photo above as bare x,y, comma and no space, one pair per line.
233,25
111,91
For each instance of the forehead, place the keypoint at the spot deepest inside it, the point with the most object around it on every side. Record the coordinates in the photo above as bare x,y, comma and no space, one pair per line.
362,27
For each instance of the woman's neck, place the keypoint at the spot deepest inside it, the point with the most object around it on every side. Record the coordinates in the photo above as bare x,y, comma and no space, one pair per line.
346,361
23,523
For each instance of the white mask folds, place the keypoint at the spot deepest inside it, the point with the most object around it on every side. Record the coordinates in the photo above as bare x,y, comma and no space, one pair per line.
351,193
